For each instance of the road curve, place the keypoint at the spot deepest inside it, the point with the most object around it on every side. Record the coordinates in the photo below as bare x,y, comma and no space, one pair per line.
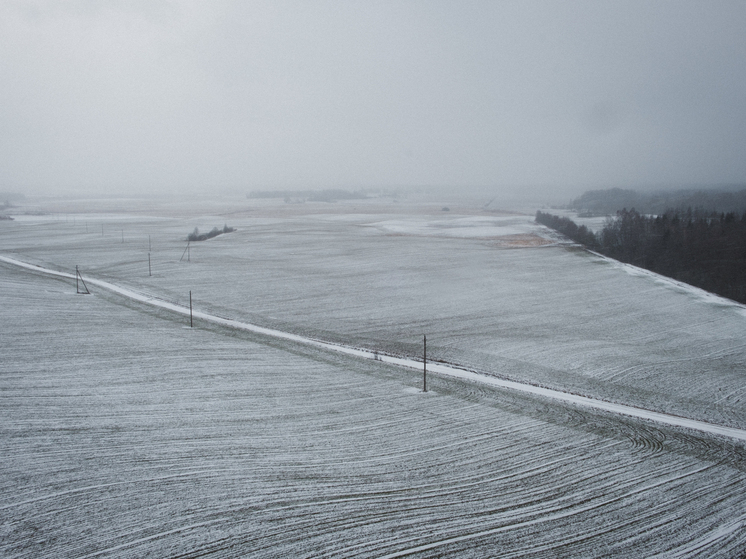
437,368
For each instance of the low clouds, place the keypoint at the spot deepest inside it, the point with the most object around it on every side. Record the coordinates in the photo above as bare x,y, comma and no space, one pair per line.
136,96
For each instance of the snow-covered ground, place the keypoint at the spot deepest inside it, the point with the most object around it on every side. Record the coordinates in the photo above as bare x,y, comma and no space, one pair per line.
126,434
81,287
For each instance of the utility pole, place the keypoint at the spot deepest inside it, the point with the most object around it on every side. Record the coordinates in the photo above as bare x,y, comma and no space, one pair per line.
191,320
78,280
149,272
186,251
424,363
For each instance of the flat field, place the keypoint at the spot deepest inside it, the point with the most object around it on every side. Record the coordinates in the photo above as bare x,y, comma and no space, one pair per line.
127,434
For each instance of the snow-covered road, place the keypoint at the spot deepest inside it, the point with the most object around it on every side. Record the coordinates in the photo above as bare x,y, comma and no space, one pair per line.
437,368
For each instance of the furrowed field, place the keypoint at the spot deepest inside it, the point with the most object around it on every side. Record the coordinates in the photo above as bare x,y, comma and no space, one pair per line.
125,433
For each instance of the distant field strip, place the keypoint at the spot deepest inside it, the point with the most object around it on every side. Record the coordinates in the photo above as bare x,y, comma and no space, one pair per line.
439,368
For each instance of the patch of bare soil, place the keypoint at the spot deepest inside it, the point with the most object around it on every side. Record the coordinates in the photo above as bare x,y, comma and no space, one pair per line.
523,240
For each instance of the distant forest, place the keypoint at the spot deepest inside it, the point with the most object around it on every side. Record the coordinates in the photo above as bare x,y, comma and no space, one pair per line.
704,249
608,202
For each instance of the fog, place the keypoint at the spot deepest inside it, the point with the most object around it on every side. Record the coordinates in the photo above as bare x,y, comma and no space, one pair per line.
117,98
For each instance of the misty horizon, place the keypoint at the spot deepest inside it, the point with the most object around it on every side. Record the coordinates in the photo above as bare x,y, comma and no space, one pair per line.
178,97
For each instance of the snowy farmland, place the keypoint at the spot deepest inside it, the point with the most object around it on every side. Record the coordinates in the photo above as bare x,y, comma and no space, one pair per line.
127,434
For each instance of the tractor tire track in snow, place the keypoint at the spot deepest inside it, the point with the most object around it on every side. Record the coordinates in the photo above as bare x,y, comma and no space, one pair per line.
438,368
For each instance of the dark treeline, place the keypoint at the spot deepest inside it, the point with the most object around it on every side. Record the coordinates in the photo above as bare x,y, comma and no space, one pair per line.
704,249
607,202
197,236
578,233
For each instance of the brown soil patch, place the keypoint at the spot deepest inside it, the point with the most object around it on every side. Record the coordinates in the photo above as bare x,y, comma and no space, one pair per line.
522,241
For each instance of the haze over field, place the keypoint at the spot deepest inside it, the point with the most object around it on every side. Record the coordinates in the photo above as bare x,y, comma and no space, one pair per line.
123,97
576,406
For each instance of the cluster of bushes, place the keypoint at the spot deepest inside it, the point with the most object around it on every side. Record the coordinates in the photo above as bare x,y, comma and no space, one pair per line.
705,249
196,236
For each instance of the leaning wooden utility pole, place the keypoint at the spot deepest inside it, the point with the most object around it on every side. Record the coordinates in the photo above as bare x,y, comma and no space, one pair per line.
424,363
186,251
78,281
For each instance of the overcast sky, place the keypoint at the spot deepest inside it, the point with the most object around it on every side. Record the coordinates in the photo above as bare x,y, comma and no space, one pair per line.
132,96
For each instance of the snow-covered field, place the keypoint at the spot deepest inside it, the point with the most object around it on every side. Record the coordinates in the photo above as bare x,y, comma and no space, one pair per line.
126,433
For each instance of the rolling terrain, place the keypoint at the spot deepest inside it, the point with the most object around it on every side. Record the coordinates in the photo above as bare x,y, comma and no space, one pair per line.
127,434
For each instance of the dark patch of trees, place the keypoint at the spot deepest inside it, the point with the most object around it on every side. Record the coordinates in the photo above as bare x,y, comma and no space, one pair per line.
197,236
704,249
578,233
608,202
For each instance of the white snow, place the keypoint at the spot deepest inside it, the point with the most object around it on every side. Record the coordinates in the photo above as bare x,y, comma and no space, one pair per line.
270,430
472,227
437,368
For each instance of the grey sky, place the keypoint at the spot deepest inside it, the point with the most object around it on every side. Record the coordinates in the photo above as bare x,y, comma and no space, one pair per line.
119,96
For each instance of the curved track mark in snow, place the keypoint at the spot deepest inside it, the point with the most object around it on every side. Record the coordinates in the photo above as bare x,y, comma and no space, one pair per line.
445,370
557,513
154,537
